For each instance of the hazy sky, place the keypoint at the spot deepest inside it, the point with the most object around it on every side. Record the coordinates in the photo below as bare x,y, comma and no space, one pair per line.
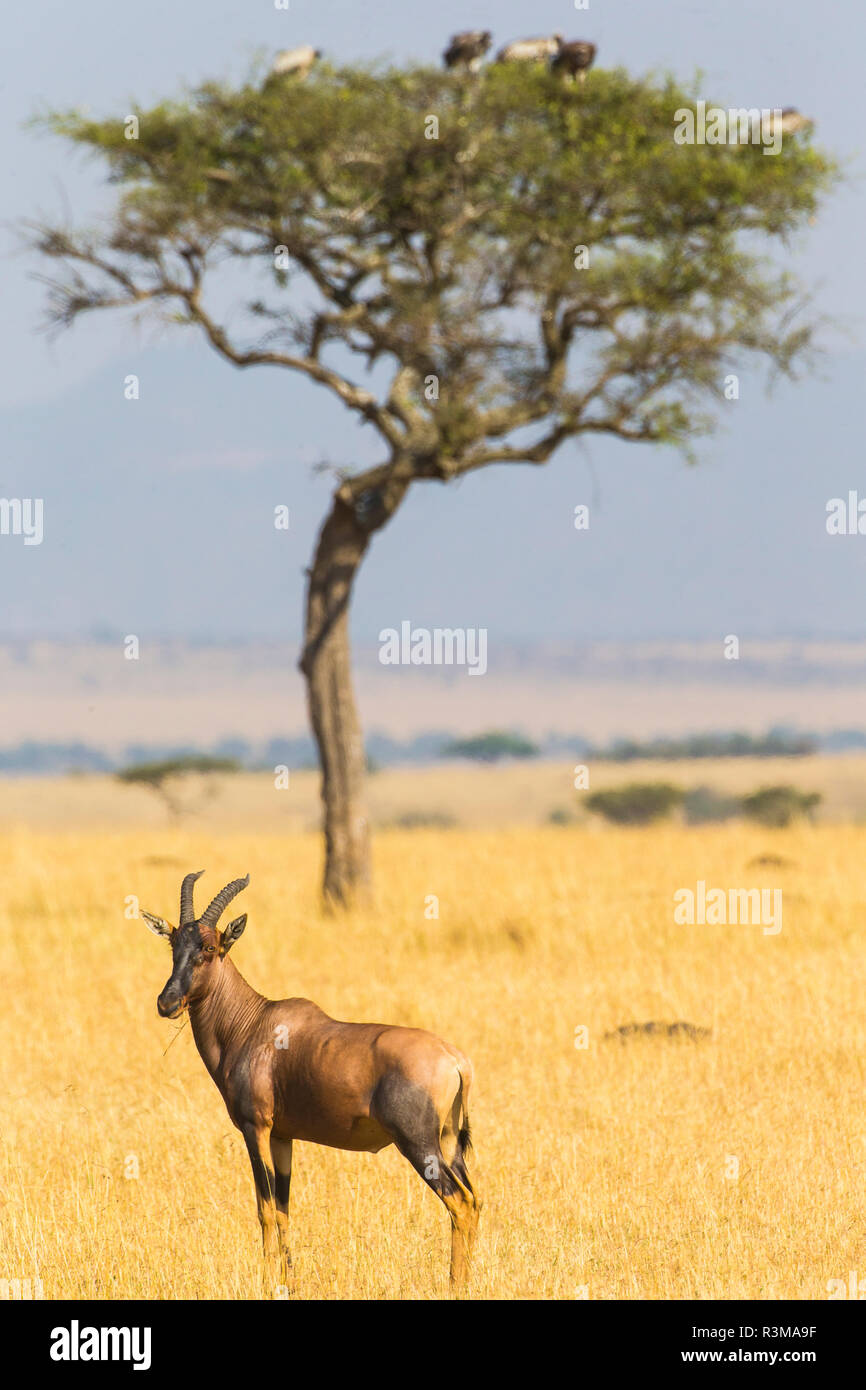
158,513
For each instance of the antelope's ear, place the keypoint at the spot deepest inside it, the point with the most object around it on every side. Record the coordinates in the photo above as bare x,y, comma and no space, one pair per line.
158,925
231,934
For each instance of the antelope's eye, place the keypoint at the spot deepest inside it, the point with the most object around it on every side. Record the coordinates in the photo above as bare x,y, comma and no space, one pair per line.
209,950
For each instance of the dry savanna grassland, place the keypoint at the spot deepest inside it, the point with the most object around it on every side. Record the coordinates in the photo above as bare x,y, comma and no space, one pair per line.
727,1167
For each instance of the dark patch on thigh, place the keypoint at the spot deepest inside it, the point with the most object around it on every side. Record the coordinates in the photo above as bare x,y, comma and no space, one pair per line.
409,1115
405,1111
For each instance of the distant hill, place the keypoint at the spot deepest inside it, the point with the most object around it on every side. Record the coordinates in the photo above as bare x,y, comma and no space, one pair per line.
82,704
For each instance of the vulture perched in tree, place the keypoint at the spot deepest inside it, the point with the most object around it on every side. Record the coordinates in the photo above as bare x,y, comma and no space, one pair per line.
530,50
788,122
296,61
791,121
467,49
573,60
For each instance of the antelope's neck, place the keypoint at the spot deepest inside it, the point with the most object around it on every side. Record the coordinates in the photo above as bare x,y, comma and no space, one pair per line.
224,1017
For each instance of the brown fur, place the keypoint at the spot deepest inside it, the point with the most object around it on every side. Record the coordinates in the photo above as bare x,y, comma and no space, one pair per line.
287,1071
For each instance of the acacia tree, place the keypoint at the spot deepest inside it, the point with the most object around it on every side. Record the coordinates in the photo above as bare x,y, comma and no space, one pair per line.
167,777
426,226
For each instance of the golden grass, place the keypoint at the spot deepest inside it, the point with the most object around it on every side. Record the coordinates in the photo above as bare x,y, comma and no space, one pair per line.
603,1170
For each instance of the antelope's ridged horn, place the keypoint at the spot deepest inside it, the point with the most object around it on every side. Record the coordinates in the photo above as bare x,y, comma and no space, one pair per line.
214,910
187,911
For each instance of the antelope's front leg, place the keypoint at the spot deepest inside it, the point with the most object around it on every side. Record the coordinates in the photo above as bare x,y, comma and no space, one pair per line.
281,1152
259,1150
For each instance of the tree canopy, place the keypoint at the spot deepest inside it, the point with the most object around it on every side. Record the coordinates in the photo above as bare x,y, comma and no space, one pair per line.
490,747
429,221
167,777
480,267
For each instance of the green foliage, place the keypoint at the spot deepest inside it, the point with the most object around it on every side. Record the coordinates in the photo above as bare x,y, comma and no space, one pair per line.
709,745
491,747
779,806
169,777
454,256
705,806
156,774
638,803
424,820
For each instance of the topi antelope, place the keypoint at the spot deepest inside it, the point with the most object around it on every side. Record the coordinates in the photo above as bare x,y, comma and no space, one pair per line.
287,1071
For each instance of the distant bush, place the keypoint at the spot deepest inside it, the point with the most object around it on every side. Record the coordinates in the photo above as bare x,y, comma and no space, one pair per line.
424,820
638,803
778,806
731,745
152,774
490,747
560,816
705,806
167,776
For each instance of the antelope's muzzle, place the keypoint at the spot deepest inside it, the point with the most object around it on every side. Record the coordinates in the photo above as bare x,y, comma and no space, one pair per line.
171,1003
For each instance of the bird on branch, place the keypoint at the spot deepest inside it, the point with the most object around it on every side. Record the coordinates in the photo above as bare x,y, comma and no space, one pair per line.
294,62
467,49
573,60
530,50
791,121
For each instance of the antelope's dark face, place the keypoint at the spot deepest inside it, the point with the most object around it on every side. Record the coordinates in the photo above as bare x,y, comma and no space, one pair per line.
197,947
193,952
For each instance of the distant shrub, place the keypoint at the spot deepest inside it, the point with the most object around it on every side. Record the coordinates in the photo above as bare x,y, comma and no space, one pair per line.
704,806
560,816
638,803
490,747
778,806
775,744
165,778
424,820
153,774
679,1031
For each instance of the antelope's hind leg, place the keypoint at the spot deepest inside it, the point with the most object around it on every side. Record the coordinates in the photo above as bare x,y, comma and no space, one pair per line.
281,1152
451,1184
259,1150
463,1203
437,1152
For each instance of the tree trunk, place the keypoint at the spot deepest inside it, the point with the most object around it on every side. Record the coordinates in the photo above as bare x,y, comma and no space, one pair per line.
326,664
